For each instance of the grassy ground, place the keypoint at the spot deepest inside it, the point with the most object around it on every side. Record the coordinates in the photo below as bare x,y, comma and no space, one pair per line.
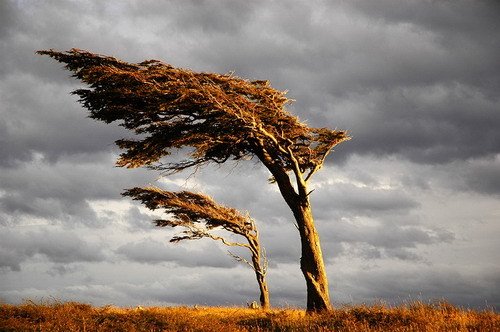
72,316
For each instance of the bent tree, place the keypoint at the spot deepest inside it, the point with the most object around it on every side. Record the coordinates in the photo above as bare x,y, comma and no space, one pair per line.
217,118
199,215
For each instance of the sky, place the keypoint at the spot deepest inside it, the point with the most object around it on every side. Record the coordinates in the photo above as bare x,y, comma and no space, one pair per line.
407,210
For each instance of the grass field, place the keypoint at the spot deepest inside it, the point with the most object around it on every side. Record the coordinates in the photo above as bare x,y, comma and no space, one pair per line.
71,316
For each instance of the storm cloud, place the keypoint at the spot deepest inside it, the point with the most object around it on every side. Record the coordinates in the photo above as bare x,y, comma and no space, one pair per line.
407,208
153,252
56,246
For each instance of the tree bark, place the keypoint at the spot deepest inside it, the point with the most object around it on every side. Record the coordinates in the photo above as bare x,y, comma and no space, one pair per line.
260,270
264,291
311,261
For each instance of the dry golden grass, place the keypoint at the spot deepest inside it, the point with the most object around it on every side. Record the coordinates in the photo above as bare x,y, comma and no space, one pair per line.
71,316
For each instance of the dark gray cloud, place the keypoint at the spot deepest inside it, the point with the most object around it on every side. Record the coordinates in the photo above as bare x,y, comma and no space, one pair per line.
474,175
435,124
136,219
55,245
8,17
483,176
228,287
326,68
424,284
414,82
402,86
41,118
381,238
445,19
63,269
343,199
150,251
214,17
63,192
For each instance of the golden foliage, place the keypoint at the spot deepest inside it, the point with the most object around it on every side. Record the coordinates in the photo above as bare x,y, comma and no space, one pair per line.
189,209
220,116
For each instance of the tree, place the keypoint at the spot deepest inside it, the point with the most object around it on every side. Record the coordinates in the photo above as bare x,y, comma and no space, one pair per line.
220,118
199,214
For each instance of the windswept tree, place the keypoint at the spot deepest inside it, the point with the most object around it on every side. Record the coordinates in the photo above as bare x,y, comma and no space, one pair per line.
200,216
216,118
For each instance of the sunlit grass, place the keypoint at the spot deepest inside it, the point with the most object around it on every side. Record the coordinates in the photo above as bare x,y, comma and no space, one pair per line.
71,316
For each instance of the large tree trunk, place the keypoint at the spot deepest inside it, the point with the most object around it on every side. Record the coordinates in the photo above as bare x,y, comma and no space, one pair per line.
311,261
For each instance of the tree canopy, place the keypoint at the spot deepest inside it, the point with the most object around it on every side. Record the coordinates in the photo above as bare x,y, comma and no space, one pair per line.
220,117
197,212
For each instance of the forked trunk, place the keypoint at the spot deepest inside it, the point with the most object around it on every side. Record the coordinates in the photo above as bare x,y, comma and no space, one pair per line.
311,261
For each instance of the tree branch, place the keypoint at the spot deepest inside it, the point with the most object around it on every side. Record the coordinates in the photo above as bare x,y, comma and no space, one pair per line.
242,260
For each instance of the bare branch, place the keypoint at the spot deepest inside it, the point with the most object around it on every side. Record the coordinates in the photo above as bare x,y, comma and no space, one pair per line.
241,259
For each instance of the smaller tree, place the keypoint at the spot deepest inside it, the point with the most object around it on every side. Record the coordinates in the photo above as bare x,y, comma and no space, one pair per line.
200,215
